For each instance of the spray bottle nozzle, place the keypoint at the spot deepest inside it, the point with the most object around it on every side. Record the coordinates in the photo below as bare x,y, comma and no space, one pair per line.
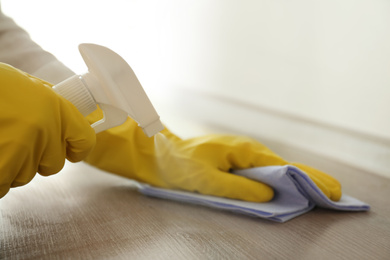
111,84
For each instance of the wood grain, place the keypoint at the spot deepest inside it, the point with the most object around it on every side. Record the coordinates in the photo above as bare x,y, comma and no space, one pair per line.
83,213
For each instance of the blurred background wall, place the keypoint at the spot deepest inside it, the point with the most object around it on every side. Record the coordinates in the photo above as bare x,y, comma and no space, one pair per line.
309,75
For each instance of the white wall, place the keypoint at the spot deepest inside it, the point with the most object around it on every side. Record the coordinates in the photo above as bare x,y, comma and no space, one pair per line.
328,61
311,75
308,73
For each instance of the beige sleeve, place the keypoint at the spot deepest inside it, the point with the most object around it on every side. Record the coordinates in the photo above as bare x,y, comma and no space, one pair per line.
20,51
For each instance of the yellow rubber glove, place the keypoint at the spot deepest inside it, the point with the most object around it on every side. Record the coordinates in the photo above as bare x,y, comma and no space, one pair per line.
38,129
201,164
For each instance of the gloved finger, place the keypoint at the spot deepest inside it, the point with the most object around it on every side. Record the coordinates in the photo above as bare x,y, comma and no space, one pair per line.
4,189
232,152
252,154
7,174
329,185
210,181
25,173
238,187
80,136
12,173
248,153
52,158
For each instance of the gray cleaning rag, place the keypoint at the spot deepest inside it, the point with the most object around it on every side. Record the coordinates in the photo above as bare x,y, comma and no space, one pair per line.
295,194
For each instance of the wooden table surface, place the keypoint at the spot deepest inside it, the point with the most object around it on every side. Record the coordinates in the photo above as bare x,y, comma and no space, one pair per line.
83,213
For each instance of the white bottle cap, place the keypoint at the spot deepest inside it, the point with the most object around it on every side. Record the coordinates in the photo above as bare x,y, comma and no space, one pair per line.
74,90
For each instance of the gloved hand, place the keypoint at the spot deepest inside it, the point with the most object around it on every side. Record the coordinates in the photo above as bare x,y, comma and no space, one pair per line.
201,164
38,129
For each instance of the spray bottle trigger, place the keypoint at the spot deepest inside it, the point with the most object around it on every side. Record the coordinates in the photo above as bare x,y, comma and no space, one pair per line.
112,116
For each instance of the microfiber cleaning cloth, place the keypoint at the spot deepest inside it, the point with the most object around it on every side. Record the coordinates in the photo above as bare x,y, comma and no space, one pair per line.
295,194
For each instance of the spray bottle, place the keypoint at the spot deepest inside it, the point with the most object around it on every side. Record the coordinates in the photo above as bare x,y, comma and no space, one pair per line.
111,84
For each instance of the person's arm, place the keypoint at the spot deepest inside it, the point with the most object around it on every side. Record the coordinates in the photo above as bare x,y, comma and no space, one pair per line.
200,164
19,50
